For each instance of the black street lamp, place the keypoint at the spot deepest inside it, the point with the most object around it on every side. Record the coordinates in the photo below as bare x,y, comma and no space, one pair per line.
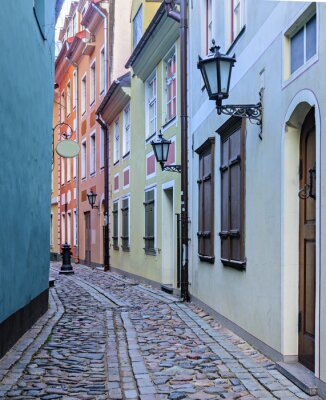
216,70
161,148
92,198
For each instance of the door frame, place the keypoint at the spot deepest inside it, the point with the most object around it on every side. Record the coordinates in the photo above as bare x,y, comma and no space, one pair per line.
299,107
166,186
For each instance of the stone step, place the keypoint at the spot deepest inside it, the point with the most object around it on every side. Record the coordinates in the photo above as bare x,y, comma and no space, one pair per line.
299,375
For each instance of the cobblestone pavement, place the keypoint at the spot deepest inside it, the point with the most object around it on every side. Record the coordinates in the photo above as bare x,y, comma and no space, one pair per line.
107,337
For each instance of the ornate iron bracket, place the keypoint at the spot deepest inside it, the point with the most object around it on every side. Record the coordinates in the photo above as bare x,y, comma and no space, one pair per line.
251,111
171,168
308,189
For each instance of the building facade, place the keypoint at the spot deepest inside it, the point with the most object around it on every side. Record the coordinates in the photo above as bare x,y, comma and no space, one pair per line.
25,173
260,268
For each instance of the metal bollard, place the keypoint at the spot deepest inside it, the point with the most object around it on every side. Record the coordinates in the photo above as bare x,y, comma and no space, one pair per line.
66,267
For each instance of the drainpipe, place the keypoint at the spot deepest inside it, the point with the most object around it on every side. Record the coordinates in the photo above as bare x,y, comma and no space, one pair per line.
103,15
182,19
106,194
77,164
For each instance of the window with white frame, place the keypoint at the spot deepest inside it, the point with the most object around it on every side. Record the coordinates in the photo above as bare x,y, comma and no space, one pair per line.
125,214
151,96
116,144
126,130
74,98
303,44
62,107
74,167
74,24
102,71
83,159
137,26
209,25
92,165
69,228
83,95
237,18
75,227
171,87
63,173
51,230
63,229
68,169
92,83
102,145
68,99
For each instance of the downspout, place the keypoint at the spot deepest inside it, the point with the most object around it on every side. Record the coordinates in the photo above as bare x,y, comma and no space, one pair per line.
182,19
106,194
106,146
77,163
104,16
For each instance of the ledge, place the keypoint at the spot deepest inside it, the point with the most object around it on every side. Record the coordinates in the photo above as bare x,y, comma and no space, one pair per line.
300,376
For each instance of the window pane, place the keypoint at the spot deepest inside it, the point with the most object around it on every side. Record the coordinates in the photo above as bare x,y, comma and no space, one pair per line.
297,50
311,38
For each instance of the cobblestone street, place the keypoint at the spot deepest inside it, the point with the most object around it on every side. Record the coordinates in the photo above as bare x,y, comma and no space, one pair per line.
107,337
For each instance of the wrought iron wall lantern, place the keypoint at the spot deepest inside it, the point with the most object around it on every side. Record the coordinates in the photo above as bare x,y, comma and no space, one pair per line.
92,198
216,70
161,147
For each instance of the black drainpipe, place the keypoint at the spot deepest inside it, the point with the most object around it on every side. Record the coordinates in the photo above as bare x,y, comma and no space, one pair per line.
106,246
182,19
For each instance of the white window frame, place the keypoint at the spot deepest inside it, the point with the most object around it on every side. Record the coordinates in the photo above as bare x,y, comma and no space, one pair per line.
68,169
92,83
92,154
68,99
69,227
84,159
234,5
51,230
150,102
116,142
83,88
102,70
74,168
126,131
75,227
138,13
63,170
172,52
62,106
74,90
102,147
63,228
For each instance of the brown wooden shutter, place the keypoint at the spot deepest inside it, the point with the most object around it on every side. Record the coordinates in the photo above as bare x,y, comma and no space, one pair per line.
232,192
125,224
115,225
206,201
149,220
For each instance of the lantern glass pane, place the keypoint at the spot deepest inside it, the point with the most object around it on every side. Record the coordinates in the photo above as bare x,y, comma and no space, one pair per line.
225,69
159,149
165,151
211,73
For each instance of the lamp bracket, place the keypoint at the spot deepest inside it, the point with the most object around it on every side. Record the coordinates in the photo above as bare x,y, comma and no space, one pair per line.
96,207
171,168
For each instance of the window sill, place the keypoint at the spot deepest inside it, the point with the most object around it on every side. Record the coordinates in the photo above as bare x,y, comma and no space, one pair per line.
115,247
235,41
150,252
207,259
92,103
101,92
116,163
149,138
125,248
296,74
83,179
92,174
126,155
169,123
83,113
240,265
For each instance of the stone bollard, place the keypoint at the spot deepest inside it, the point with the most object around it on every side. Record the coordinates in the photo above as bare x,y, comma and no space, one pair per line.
66,267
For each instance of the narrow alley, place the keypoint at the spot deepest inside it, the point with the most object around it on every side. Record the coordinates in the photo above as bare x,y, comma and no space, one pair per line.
109,337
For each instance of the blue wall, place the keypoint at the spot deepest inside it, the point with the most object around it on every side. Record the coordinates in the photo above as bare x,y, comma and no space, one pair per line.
26,100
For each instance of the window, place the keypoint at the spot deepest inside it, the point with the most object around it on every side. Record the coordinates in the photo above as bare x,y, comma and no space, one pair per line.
75,227
205,182
69,228
92,165
137,26
115,236
74,167
83,95
171,88
126,130
83,160
303,44
125,224
151,106
63,229
237,18
93,84
74,24
62,107
232,192
102,145
102,71
63,171
116,144
68,169
74,99
51,231
149,237
209,25
68,99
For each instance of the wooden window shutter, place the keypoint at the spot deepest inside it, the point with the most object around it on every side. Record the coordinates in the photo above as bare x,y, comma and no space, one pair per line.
149,220
232,192
206,201
115,225
125,224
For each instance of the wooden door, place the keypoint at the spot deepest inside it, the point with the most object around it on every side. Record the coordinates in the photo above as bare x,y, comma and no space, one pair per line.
307,245
88,238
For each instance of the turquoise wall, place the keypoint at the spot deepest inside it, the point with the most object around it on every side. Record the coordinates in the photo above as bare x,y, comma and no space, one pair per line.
26,101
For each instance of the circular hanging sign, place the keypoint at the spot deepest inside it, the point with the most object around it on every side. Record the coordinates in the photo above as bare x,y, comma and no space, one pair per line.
67,149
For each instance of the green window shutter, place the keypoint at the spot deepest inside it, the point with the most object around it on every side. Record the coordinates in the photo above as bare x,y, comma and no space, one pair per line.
149,220
115,224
